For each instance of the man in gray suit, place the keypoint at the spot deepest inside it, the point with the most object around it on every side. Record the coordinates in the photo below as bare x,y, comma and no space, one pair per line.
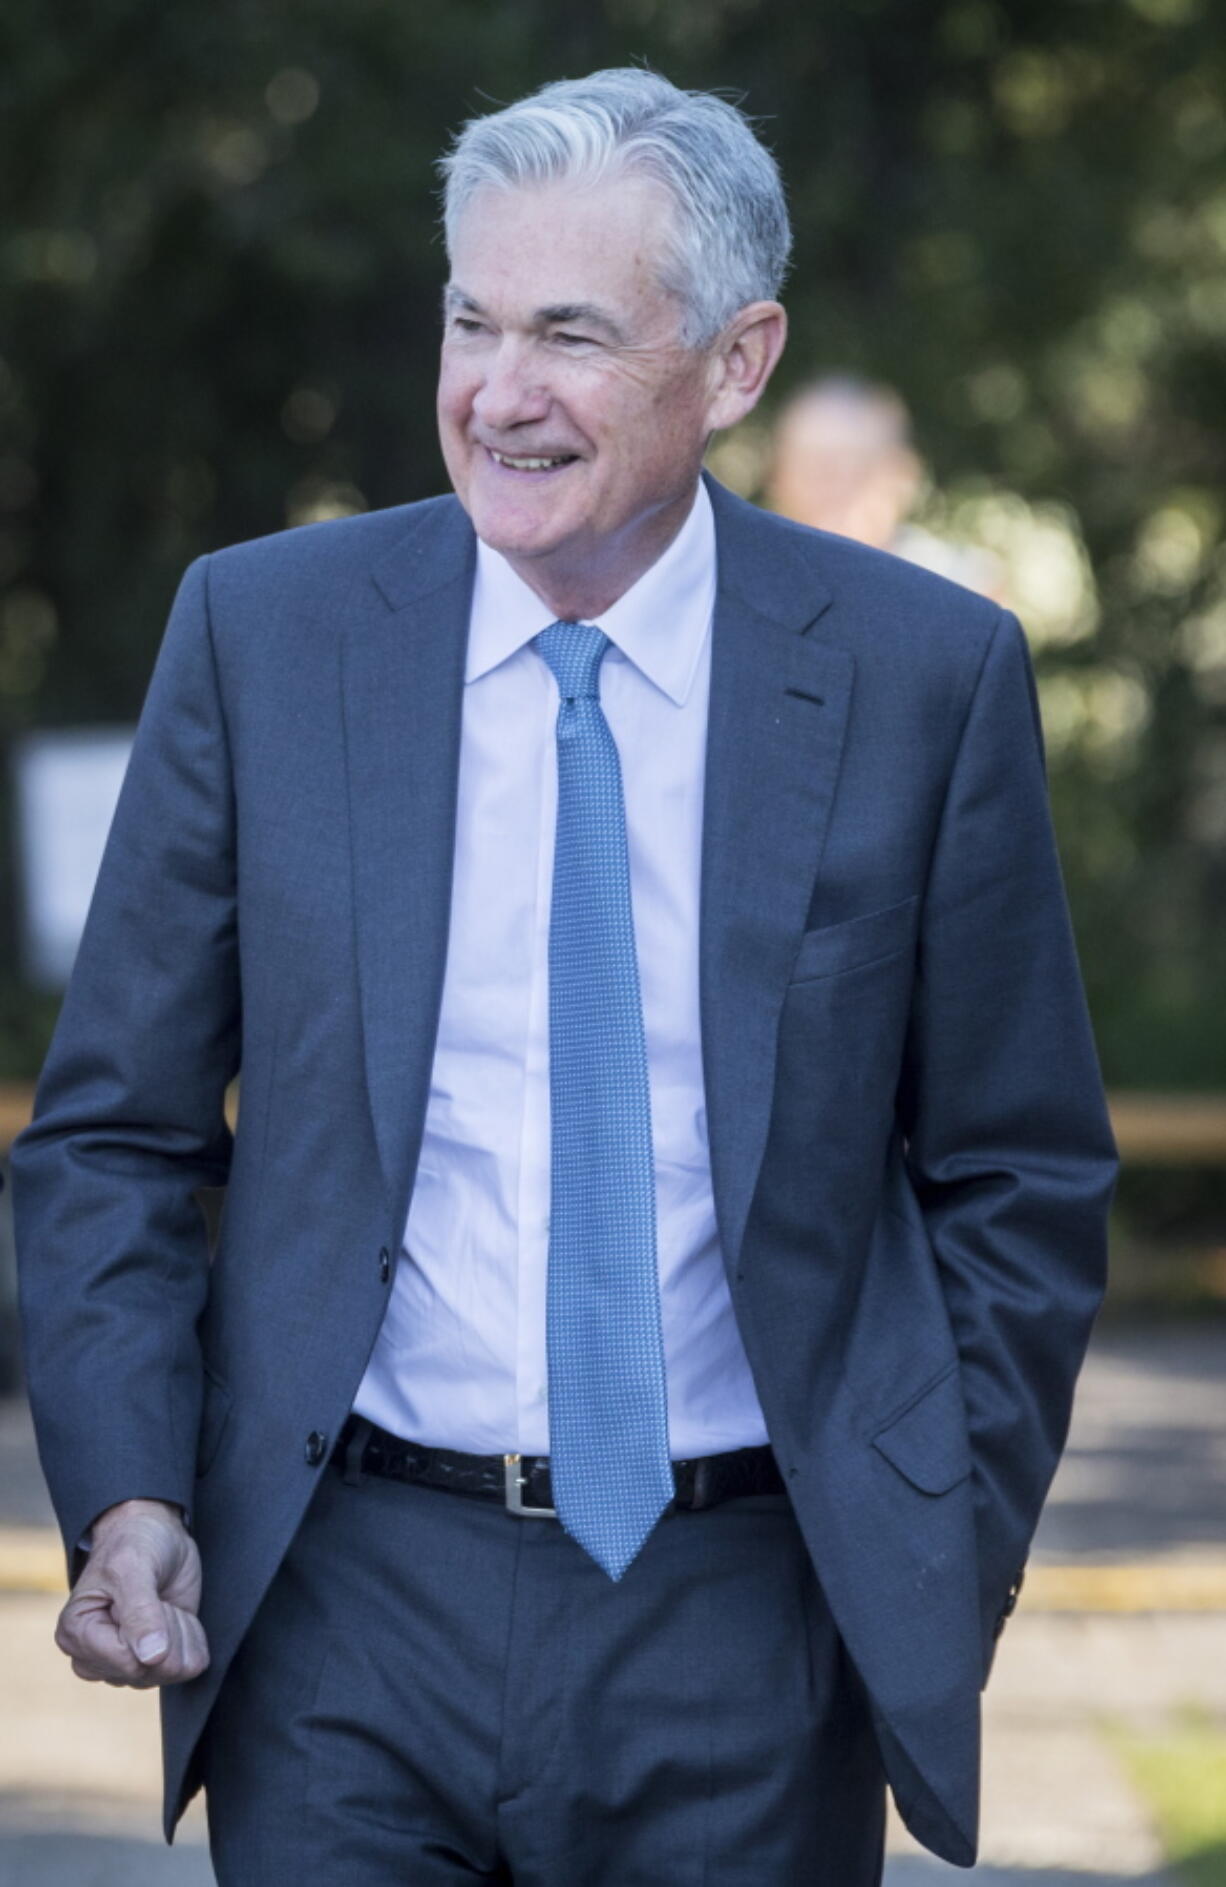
666,1210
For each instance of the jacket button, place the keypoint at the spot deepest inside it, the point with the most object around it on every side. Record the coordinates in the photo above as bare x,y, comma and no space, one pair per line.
316,1448
385,1264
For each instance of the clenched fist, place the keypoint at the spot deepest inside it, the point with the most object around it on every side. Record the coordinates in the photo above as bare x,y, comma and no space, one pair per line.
131,1617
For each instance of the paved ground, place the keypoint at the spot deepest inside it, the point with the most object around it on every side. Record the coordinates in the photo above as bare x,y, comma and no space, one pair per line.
1143,1485
1144,1476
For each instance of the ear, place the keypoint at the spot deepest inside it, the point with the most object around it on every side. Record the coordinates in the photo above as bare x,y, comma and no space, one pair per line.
743,360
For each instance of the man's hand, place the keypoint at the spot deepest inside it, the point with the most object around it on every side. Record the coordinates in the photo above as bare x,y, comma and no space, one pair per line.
131,1618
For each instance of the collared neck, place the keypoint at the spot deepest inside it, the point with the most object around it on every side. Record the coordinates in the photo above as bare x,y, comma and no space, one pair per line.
660,623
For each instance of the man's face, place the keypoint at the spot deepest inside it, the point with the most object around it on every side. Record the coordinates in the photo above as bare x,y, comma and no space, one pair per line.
572,419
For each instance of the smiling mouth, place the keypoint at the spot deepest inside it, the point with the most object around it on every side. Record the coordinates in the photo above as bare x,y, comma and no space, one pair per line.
532,463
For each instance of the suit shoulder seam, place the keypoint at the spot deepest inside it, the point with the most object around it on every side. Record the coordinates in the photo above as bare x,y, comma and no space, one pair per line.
214,664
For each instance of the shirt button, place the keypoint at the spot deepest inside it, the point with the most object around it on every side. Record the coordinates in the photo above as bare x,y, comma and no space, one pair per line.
385,1264
316,1448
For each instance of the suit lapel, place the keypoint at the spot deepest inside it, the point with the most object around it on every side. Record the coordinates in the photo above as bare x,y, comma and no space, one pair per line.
779,704
403,681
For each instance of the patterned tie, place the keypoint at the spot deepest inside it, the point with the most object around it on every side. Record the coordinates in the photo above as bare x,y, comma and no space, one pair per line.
608,1411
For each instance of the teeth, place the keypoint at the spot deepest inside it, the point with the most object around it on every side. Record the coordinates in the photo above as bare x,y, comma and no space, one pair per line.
526,465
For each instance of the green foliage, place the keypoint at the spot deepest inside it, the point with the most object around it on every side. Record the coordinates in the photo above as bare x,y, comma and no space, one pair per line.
1182,1776
218,290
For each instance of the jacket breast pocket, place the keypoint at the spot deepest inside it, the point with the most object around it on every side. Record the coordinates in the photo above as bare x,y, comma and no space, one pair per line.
857,942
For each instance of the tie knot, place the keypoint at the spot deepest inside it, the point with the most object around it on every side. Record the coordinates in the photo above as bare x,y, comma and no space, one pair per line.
574,651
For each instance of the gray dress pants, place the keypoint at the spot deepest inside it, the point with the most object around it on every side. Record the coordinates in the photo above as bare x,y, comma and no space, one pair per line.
436,1691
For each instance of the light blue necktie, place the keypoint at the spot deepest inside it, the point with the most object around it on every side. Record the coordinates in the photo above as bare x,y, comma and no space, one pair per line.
608,1411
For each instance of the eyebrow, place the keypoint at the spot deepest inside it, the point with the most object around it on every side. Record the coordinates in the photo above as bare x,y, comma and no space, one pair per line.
583,313
557,314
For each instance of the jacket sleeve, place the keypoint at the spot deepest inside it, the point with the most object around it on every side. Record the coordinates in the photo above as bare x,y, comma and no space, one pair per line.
1009,1147
129,1115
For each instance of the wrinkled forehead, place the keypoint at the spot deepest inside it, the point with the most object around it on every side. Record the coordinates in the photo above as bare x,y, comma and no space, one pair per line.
565,244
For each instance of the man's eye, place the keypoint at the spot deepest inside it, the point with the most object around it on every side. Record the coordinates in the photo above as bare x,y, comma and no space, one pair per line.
572,340
466,324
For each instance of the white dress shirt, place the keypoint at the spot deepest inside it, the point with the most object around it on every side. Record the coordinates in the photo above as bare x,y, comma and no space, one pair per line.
460,1361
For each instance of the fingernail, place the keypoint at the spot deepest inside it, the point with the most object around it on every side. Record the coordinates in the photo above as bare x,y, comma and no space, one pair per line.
151,1646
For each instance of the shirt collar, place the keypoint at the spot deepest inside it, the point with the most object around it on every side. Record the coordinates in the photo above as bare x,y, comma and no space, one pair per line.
660,624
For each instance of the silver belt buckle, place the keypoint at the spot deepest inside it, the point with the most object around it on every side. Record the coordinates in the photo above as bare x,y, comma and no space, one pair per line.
513,1482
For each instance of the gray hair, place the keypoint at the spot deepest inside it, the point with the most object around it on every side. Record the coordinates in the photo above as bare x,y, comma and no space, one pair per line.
728,241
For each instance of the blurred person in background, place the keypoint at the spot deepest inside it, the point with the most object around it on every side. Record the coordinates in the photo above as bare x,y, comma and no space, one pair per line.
667,1206
843,459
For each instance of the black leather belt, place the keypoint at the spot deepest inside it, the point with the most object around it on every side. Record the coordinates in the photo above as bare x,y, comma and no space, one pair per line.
521,1482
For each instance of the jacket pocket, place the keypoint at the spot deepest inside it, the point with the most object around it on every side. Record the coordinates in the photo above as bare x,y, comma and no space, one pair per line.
927,1442
213,1419
856,942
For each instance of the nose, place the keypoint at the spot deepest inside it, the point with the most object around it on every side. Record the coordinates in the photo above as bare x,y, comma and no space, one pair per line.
511,392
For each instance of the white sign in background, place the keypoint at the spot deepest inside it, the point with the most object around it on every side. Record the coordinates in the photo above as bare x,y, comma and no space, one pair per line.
67,785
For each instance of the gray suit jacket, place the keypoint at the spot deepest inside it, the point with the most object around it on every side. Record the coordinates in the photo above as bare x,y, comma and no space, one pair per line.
910,1153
